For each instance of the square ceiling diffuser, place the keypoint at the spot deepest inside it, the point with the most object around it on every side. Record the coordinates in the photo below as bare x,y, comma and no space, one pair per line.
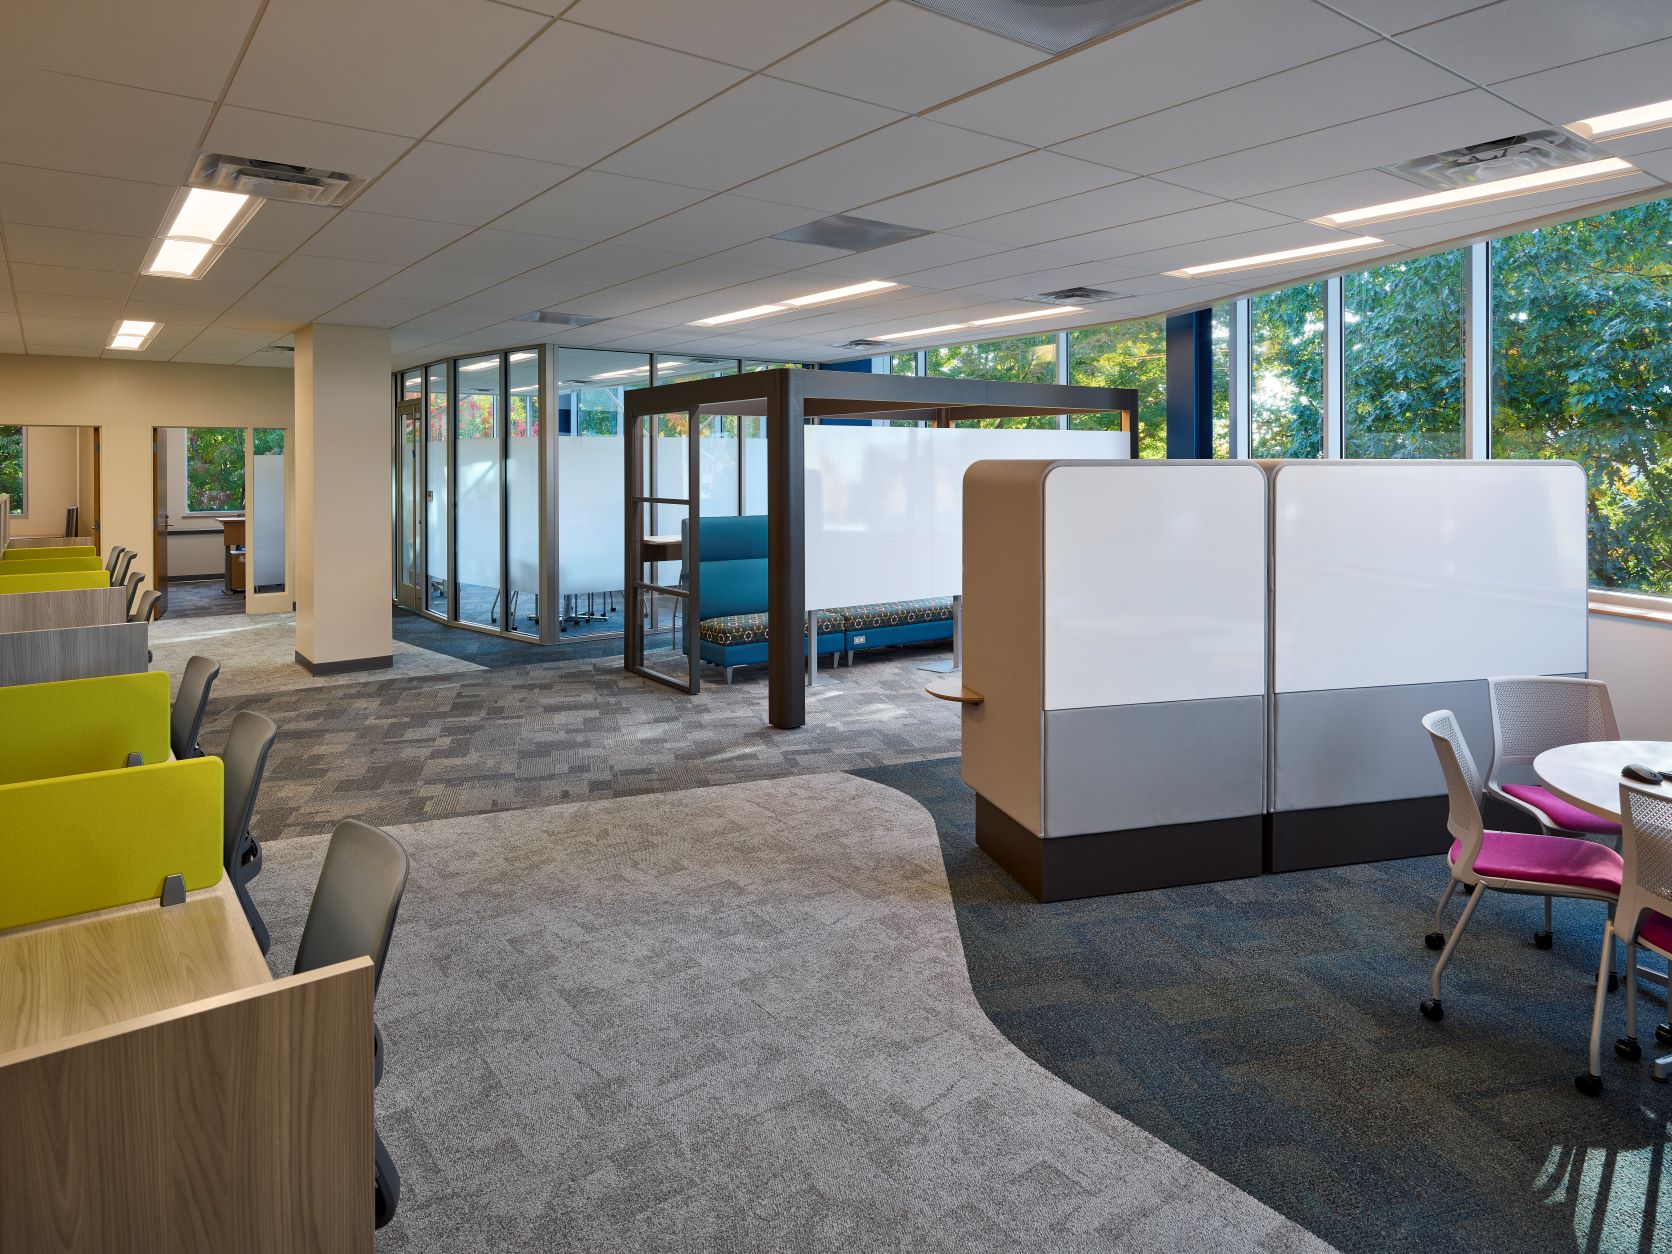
1052,25
854,235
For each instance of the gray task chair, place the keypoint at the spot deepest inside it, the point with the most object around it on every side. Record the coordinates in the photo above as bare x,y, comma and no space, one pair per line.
353,916
111,558
147,606
119,574
185,722
135,578
245,760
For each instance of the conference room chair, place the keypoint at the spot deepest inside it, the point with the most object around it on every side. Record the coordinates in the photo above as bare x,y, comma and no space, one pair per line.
111,558
1532,713
147,606
119,574
245,761
353,915
135,578
1643,919
185,720
71,513
1510,862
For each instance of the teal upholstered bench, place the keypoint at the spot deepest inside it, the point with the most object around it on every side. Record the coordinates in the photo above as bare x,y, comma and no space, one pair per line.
886,623
740,639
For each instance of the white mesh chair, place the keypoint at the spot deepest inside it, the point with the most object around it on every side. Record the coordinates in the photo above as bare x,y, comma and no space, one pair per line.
1532,713
1511,862
1643,918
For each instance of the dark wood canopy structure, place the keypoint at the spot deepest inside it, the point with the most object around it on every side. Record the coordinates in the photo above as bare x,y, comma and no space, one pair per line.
787,399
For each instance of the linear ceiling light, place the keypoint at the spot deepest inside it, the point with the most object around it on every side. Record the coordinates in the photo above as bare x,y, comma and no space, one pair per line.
206,215
201,223
1649,117
917,335
798,302
491,363
1028,316
1497,189
131,334
523,356
1276,259
644,369
177,258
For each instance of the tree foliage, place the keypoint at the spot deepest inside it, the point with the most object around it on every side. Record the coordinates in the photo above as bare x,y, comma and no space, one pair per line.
11,466
1025,359
215,466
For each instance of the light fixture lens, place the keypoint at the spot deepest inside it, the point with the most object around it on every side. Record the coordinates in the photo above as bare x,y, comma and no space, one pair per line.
178,258
926,331
491,364
738,315
1028,316
521,356
1649,117
841,293
131,326
205,215
1498,189
127,341
1276,259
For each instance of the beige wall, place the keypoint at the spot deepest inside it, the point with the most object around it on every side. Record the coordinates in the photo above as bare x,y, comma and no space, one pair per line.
1634,658
129,398
50,479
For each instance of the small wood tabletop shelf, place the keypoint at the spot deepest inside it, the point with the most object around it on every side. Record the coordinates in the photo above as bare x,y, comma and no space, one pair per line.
950,687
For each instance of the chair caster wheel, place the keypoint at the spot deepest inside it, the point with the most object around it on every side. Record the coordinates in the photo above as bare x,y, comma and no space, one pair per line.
1589,1085
1656,1076
1628,1048
1663,1033
1613,982
1544,940
1435,940
1432,1011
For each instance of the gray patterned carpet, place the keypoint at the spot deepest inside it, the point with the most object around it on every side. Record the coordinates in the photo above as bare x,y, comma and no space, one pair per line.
730,1019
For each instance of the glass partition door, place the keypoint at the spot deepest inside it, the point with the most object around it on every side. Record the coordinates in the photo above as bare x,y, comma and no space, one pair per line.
478,459
409,506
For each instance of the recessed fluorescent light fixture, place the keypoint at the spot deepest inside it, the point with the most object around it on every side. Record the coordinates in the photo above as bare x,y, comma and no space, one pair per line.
490,364
1497,189
532,387
1029,315
132,334
926,331
841,293
523,356
1276,259
1626,122
178,258
739,315
622,374
201,222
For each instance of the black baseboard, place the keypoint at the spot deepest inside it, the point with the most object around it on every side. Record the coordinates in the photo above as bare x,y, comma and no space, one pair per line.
1102,864
1376,831
348,664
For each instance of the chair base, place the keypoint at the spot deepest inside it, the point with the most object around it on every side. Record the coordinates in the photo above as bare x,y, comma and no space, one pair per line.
1102,864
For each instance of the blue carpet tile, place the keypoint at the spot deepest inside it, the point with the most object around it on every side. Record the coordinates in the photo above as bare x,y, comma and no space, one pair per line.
1269,1029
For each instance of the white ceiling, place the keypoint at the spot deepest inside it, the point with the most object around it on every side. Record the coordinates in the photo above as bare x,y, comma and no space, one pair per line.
630,159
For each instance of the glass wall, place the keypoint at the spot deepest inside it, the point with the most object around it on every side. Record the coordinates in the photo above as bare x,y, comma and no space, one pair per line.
1402,358
1023,359
1124,355
1286,361
477,478
437,440
522,491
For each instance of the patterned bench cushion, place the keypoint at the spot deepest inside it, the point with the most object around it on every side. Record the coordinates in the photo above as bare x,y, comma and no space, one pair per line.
751,628
897,613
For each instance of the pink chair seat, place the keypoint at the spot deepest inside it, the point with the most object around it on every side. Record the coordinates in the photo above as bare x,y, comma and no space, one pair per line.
1559,812
1554,860
1657,931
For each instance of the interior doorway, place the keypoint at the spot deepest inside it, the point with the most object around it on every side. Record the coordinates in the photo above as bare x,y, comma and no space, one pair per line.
51,475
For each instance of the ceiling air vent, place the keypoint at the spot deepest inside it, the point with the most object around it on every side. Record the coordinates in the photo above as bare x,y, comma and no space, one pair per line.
557,319
1506,158
850,234
1052,25
861,344
1073,296
273,180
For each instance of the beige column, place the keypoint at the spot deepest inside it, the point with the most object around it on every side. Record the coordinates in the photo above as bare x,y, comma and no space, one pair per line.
343,434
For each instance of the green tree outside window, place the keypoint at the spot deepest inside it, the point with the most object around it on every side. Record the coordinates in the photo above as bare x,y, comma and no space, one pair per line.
215,466
11,466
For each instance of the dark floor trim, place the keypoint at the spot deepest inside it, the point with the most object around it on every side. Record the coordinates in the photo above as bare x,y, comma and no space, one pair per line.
347,664
1301,840
1101,864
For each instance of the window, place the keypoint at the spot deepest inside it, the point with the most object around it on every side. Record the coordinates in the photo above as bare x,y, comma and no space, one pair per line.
1286,393
1402,356
1222,381
1025,359
1125,355
902,363
1582,369
11,468
215,466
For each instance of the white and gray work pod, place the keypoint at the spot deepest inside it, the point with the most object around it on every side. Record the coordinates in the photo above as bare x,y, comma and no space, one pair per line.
1399,587
1115,620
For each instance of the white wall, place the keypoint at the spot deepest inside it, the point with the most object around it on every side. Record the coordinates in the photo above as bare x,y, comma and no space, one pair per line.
51,479
1634,658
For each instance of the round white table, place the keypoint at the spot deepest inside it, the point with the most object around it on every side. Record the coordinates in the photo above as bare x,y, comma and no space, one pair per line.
1588,775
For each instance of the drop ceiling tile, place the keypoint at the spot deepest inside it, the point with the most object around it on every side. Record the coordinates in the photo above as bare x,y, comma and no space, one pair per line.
1658,164
61,123
30,304
714,225
1207,222
750,130
593,206
208,356
292,306
1247,244
281,227
426,283
189,54
500,254
1605,84
604,265
996,266
1342,88
63,281
252,320
68,326
213,293
1332,195
907,256
81,202
449,320
1517,37
445,183
1104,274
906,57
612,302
1139,71
39,349
1432,126
1020,183
323,274
231,337
175,318
356,236
705,274
520,296
780,254
750,33
1131,201
1392,16
537,106
242,265
87,250
898,158
377,311
379,65
254,133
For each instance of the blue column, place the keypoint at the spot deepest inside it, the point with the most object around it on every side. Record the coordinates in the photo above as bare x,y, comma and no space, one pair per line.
1190,384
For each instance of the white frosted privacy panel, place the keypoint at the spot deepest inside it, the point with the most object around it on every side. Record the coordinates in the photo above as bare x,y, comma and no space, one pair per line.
477,518
885,505
523,480
1154,583
267,520
1426,572
435,508
591,548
